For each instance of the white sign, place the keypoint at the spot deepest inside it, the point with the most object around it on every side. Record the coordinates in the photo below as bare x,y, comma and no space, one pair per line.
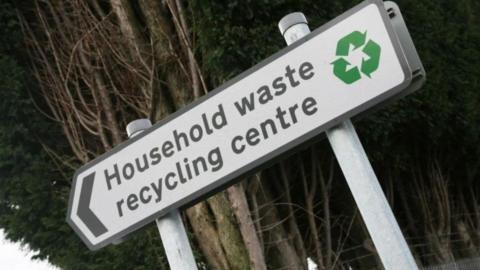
345,67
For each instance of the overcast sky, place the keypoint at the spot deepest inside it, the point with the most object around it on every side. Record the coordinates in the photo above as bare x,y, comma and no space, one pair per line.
13,257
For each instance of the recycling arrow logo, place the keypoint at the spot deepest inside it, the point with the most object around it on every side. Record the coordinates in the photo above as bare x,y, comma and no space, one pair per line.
370,62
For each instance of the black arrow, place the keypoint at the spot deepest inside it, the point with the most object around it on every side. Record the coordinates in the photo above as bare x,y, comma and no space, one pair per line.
84,212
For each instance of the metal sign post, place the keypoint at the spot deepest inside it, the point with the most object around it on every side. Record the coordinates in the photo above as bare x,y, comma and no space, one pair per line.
367,192
172,232
171,229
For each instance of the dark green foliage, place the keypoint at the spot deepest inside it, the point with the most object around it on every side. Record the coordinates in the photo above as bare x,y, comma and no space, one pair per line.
445,112
235,35
34,186
32,192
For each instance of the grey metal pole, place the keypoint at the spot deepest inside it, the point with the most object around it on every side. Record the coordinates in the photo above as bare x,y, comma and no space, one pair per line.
173,233
367,192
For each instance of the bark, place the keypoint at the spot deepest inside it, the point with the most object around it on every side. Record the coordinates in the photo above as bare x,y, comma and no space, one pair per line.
173,90
325,185
129,25
207,236
106,102
277,241
467,240
228,231
99,88
309,192
164,95
292,221
238,198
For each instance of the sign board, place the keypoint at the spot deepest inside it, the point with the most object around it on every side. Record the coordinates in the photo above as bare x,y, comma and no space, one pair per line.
341,69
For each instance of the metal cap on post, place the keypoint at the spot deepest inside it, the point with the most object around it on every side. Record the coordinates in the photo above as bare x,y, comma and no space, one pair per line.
137,126
293,27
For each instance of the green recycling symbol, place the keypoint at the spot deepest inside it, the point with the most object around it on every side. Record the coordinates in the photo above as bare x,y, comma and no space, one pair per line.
369,64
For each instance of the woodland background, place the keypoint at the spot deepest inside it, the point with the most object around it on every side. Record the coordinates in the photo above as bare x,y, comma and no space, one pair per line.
73,73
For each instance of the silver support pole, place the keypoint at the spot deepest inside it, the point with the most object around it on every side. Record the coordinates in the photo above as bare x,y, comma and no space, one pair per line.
361,179
173,233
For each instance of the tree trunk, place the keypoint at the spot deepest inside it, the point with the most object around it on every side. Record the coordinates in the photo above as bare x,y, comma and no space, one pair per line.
280,248
238,198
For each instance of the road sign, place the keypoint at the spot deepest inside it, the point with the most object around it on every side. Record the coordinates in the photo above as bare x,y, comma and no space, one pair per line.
341,69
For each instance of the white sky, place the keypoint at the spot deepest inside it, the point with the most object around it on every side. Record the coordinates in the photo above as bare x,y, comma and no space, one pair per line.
13,257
